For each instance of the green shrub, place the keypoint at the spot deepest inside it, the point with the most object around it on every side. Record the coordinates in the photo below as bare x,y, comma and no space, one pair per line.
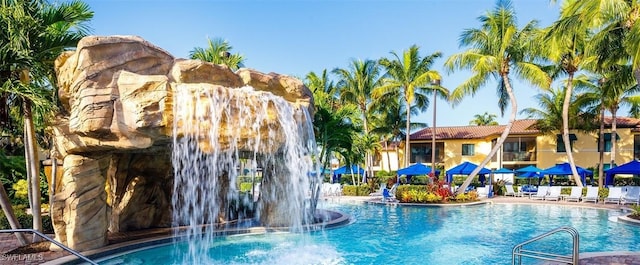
25,220
432,197
462,197
351,190
245,186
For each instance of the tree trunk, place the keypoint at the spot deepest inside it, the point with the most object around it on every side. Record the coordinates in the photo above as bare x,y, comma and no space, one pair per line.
503,136
565,130
407,148
386,148
367,157
33,169
11,217
614,134
601,175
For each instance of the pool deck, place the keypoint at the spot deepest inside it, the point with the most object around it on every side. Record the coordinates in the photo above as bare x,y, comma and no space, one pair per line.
8,242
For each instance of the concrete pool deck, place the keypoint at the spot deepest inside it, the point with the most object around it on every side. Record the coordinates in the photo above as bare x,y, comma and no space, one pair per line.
8,242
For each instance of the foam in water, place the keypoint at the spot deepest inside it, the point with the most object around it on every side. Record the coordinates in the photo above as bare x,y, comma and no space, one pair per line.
218,132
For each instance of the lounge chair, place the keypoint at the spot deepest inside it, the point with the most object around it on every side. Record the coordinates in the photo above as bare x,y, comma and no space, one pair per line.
576,194
379,191
554,194
389,195
615,195
541,193
632,196
335,189
528,190
510,191
592,195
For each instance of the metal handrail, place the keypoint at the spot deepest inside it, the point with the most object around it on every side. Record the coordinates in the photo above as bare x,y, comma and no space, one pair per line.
518,251
77,254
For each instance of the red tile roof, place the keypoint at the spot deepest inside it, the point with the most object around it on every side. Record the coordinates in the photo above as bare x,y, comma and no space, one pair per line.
520,127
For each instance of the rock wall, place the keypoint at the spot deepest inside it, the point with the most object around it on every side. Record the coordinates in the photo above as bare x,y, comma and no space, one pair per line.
115,130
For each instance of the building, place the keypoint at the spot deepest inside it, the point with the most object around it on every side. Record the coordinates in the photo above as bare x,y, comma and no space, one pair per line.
524,146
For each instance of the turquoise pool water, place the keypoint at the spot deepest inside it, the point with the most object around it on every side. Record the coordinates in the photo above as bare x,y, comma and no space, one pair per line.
380,234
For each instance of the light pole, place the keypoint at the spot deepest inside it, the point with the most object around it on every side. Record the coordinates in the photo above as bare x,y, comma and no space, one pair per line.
435,83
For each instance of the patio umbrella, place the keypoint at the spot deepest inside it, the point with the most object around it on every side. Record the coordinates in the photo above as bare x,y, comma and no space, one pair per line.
416,169
530,175
504,174
529,168
632,167
564,169
464,169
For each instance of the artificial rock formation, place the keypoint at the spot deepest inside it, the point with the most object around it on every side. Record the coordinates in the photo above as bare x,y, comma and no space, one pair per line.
115,132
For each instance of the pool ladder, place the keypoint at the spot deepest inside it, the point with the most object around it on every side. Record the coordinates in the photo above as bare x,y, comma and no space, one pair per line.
519,251
77,254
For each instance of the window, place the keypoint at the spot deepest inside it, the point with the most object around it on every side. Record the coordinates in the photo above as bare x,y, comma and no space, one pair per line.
468,149
560,143
421,153
607,142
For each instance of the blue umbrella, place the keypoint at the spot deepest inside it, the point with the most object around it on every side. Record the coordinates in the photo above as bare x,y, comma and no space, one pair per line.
464,169
528,169
416,169
503,171
632,167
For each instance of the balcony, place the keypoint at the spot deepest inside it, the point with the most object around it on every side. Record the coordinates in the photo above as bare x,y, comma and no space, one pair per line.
518,156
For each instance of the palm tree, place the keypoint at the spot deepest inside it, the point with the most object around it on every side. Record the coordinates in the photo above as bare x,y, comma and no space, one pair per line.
484,119
566,47
355,85
497,49
410,77
617,88
549,115
334,134
616,27
35,33
324,90
218,52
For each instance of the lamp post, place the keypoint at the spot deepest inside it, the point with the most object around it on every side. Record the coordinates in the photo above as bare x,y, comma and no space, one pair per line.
435,83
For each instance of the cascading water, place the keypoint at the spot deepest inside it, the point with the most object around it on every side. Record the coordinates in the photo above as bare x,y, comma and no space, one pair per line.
216,133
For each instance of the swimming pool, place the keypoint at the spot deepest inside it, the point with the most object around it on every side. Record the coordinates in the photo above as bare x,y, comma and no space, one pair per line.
382,234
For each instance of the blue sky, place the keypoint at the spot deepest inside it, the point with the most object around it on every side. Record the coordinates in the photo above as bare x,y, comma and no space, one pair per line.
296,37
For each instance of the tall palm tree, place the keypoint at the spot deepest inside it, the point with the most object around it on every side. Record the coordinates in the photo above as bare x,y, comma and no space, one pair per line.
566,48
411,77
618,89
323,89
355,85
35,33
484,119
549,115
218,52
496,49
616,27
389,121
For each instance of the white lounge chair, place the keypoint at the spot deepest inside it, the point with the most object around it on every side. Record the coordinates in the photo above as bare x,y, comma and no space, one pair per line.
510,191
592,195
542,192
632,196
615,195
335,189
576,194
379,191
554,194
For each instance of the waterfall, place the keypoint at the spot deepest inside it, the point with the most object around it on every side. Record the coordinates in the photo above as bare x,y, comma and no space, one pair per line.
218,132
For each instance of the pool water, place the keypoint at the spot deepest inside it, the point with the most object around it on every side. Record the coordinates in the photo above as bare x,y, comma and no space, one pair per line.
382,234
